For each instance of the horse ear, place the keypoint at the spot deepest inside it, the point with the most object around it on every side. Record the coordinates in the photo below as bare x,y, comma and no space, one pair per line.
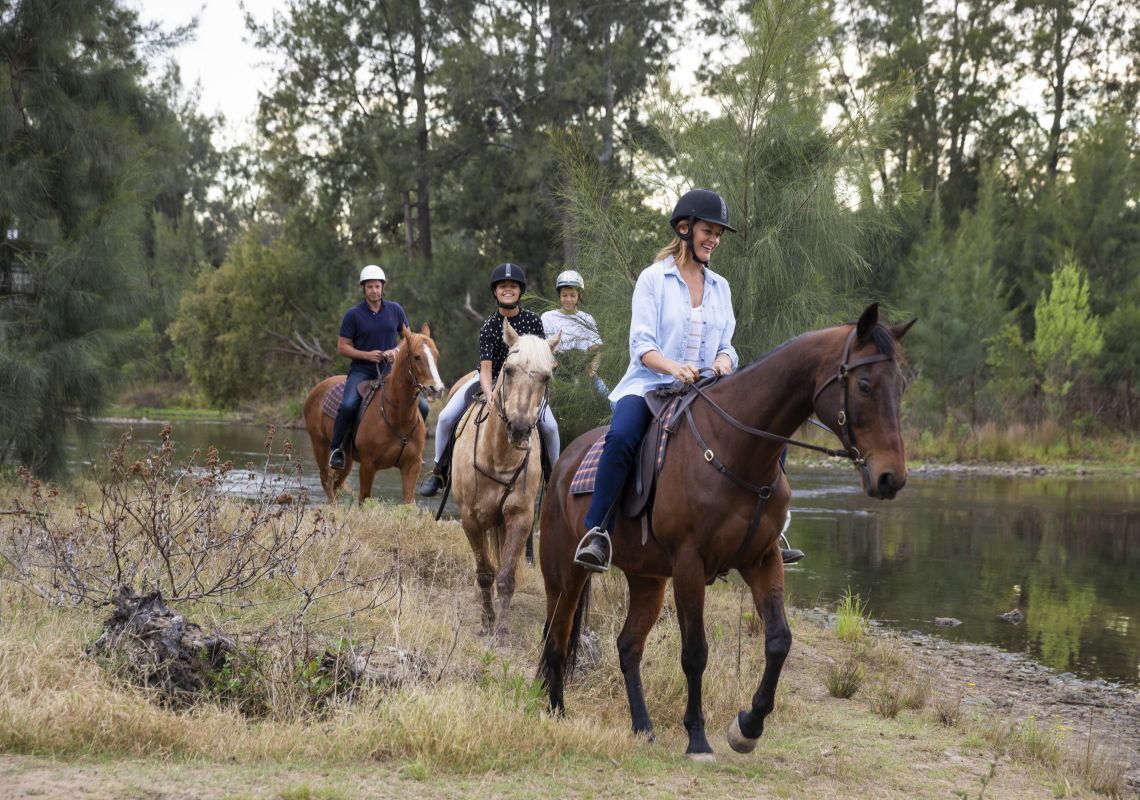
554,340
509,335
405,332
899,331
425,329
868,321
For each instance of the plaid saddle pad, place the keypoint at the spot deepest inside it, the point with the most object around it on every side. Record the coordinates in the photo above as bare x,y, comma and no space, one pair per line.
583,482
587,473
331,405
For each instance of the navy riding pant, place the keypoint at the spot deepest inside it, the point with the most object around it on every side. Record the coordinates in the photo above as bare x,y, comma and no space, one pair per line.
631,418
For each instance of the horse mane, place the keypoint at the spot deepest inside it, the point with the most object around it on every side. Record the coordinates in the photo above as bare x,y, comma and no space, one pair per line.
533,352
881,335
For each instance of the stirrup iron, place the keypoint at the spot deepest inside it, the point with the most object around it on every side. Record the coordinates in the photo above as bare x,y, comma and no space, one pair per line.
589,536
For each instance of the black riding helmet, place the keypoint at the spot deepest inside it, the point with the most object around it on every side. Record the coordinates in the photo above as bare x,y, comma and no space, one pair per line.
508,272
702,204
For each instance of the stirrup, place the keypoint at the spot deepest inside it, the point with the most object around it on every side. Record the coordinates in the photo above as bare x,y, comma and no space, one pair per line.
788,554
587,545
336,459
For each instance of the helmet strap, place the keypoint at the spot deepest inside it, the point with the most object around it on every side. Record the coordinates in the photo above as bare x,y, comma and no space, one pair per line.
687,238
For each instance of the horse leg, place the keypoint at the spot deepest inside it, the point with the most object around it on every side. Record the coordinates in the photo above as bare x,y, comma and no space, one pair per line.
517,529
321,454
689,595
484,571
366,474
766,580
646,595
409,473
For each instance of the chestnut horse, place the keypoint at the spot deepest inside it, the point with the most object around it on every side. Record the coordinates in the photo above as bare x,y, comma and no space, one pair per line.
390,432
496,471
704,523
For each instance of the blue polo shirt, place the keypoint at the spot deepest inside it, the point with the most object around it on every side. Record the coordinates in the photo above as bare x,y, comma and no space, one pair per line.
369,330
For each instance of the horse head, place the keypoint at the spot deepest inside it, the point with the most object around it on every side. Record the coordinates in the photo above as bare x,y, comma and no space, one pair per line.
422,359
859,395
520,391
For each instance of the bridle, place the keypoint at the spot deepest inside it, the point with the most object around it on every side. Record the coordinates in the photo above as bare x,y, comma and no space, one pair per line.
496,403
846,436
845,433
417,387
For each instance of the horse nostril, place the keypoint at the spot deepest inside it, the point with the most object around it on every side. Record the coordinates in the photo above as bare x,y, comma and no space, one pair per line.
888,485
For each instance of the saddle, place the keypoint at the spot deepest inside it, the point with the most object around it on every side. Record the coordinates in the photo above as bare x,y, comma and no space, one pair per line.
335,396
668,405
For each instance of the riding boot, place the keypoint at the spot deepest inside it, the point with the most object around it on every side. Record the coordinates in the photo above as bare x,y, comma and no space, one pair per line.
594,551
788,554
434,480
791,555
340,430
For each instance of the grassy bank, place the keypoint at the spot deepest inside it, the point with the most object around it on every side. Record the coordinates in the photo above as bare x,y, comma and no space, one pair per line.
453,716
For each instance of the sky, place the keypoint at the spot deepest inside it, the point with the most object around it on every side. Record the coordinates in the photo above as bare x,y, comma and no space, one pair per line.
219,57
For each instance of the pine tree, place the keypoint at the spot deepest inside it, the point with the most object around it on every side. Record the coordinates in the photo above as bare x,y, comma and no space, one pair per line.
74,121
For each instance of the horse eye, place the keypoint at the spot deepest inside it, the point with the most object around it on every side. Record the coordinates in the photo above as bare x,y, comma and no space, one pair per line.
864,386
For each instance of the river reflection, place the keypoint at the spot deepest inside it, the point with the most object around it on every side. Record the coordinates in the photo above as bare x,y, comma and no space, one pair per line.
1064,551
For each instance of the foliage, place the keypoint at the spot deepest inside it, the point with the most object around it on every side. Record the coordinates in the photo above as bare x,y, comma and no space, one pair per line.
953,287
1068,335
158,525
851,618
236,331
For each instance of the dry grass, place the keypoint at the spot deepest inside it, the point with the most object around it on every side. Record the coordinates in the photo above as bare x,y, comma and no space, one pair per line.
470,709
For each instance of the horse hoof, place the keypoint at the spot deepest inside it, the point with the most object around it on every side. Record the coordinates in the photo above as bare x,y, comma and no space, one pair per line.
737,740
702,758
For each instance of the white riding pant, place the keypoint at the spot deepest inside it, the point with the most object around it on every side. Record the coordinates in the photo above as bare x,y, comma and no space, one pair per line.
451,414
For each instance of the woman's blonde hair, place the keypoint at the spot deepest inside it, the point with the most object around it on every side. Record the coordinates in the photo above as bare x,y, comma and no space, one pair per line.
682,255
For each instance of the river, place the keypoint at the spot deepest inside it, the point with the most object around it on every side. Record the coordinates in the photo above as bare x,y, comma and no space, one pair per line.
1064,551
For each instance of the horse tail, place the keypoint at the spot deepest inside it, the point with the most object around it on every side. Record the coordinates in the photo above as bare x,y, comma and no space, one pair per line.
581,617
546,671
497,534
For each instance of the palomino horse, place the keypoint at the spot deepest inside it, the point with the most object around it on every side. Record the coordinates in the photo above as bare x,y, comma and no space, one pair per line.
391,431
496,471
703,524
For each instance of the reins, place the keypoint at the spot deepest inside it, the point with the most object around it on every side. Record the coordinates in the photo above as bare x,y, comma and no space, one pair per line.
763,493
496,403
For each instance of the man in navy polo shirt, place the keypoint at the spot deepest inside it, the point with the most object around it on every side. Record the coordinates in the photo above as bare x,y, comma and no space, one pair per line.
369,334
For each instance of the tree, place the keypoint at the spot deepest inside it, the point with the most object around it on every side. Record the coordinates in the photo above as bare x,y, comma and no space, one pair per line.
1067,338
238,330
76,122
954,288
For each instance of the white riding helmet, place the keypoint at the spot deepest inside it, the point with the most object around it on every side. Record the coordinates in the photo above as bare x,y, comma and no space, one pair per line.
570,278
372,273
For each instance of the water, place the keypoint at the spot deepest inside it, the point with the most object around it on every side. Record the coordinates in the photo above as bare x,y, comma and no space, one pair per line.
1063,551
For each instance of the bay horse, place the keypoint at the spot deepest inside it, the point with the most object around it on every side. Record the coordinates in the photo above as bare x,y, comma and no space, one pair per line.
496,471
703,523
390,432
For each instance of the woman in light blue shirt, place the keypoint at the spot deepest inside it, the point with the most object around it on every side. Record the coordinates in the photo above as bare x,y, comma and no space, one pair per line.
682,323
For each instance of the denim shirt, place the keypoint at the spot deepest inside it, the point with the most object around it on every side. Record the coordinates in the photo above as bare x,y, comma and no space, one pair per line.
661,309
